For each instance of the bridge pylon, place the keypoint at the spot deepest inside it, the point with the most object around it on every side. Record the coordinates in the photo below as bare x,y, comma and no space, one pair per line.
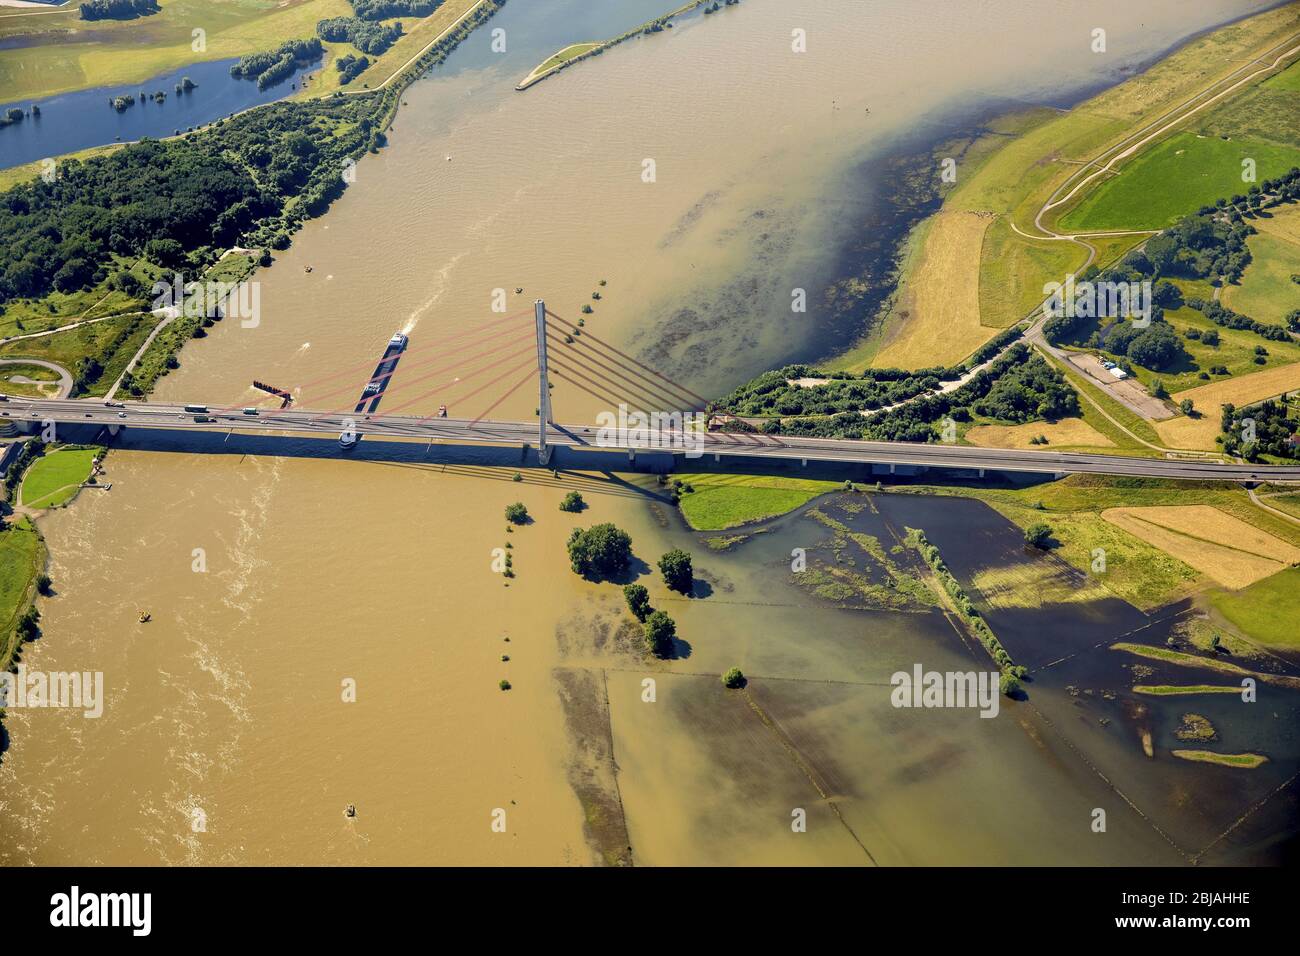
544,399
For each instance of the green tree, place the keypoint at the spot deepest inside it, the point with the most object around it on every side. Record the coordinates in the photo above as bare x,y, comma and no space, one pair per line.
676,568
516,513
1186,406
659,632
734,679
1039,535
1009,685
572,502
600,551
638,600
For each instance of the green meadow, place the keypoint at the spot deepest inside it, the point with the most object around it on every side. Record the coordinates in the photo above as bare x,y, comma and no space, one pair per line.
1174,178
1265,611
55,477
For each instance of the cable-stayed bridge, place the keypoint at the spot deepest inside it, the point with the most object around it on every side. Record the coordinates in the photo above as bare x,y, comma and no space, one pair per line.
481,368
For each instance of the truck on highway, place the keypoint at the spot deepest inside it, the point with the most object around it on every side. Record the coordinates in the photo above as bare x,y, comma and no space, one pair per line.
201,409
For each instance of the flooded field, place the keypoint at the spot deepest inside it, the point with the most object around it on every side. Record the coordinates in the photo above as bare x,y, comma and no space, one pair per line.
283,578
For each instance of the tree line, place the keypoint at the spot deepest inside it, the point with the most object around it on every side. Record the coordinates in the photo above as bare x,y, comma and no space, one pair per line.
367,36
118,9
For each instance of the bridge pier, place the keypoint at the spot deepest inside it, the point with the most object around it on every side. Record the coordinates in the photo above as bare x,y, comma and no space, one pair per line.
544,401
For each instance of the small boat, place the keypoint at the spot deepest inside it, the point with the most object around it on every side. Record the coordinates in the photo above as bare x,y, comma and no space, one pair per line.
350,810
145,617
308,269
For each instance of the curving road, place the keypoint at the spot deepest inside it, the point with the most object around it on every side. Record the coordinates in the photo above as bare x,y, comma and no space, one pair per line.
65,377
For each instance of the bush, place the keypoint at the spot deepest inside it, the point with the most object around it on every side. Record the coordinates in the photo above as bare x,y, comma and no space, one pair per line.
600,551
659,631
1039,535
638,601
516,513
572,502
43,583
677,571
733,679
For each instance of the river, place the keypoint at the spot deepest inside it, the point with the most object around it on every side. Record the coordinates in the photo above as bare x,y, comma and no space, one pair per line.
226,737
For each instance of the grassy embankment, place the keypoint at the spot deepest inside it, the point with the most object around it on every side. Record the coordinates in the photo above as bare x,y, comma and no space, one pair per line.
1012,182
22,558
719,502
576,52
55,478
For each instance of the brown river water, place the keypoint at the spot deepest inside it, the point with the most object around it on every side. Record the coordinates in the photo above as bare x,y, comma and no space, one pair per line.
226,738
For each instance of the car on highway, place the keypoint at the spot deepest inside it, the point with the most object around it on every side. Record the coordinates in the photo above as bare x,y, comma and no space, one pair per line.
372,388
121,414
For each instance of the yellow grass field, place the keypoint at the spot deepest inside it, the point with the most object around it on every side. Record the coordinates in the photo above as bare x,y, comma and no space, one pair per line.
1223,548
1199,433
942,297
1068,432
1283,223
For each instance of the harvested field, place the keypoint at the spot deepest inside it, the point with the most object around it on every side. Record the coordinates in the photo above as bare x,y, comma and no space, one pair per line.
1067,432
1183,432
942,297
1223,548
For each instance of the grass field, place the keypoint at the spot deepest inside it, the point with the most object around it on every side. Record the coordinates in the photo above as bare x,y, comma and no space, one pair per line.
1267,291
1223,548
1014,269
129,51
1173,178
1066,433
56,476
941,297
1265,611
1288,79
22,557
726,501
1184,432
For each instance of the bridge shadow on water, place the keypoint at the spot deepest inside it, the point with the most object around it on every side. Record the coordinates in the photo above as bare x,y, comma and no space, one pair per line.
581,469
585,471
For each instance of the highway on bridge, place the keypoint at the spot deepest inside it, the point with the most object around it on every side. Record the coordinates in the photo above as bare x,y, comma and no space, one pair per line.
721,444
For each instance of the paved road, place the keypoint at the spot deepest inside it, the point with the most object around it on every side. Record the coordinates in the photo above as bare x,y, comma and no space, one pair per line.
65,377
332,424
